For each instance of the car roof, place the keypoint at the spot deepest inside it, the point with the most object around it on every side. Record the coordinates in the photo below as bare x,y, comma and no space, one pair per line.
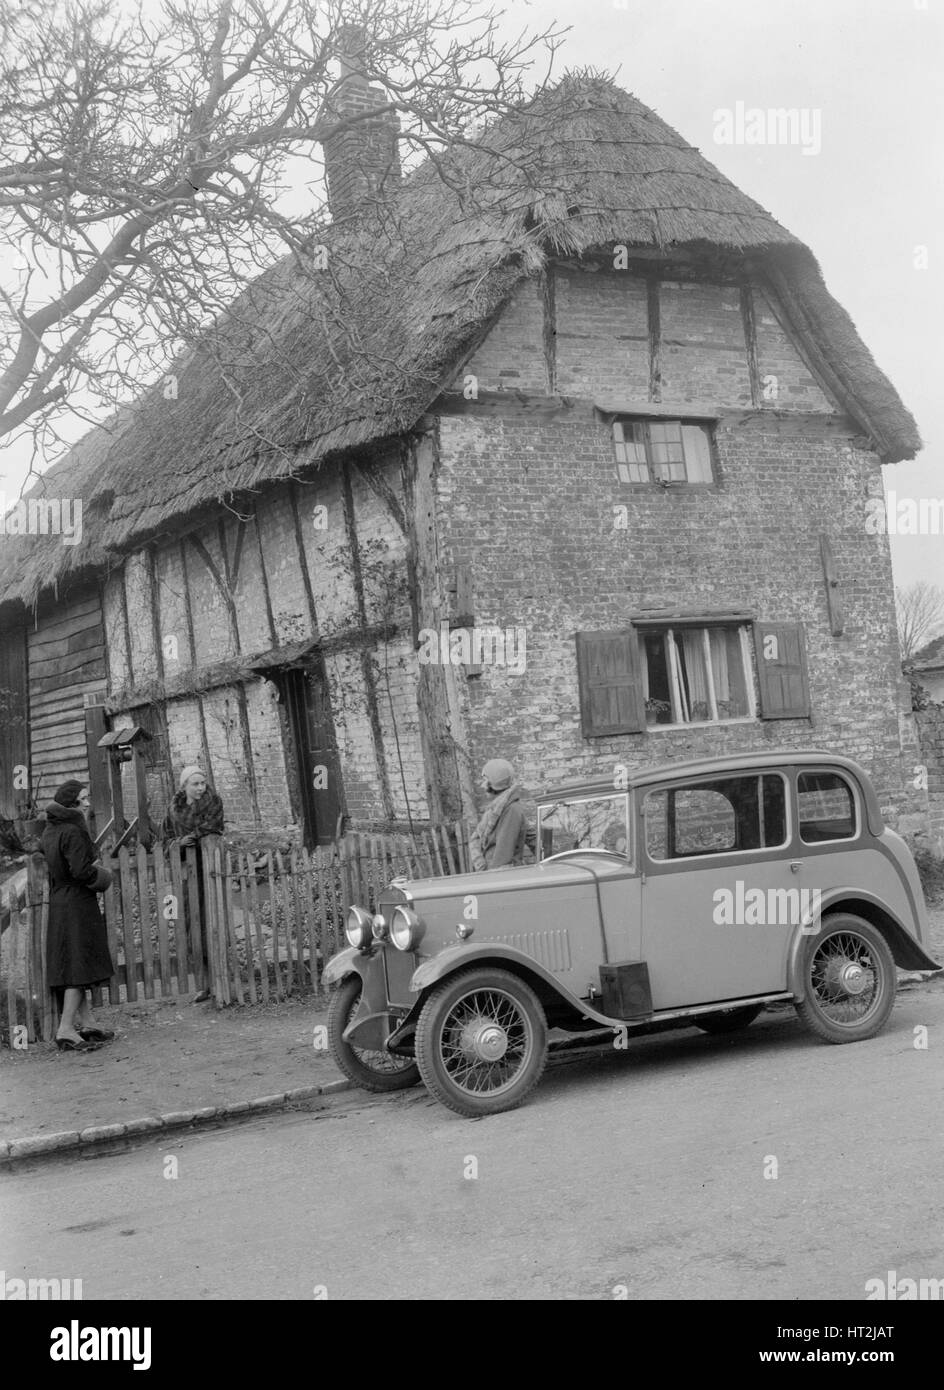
733,763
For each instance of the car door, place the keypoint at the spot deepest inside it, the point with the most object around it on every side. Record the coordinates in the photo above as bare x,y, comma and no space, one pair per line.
721,893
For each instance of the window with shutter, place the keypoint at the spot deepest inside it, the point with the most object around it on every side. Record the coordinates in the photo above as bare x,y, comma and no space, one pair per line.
610,683
781,671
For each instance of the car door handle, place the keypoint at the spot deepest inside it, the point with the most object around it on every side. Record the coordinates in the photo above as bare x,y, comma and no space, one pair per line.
796,865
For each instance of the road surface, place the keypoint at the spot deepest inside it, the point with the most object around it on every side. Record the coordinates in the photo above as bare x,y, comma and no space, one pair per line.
763,1165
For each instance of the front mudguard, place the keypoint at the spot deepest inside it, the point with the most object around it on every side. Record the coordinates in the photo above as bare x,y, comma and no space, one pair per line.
371,1023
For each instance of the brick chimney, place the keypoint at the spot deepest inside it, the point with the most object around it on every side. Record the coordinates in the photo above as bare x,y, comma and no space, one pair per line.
362,161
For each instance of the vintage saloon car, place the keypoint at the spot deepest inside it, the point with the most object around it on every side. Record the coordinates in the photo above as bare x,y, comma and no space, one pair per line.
689,894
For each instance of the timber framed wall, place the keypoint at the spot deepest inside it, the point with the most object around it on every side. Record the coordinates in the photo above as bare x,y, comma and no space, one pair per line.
201,626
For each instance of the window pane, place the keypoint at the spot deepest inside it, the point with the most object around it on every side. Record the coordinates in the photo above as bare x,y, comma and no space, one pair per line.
697,453
716,817
588,823
727,668
656,683
690,645
826,806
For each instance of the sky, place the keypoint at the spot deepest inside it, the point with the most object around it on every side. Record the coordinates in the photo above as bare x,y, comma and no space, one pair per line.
869,202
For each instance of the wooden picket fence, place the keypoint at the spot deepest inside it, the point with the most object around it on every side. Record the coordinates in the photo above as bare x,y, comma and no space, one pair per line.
268,921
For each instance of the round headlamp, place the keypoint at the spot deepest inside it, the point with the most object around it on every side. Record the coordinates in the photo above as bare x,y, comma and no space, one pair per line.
358,927
406,929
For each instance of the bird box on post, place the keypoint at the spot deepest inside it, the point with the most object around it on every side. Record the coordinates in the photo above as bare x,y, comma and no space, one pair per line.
127,746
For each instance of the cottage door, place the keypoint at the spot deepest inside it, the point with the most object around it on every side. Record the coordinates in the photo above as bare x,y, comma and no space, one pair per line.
316,747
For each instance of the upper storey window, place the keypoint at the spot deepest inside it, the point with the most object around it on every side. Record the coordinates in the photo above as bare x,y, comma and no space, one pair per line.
662,451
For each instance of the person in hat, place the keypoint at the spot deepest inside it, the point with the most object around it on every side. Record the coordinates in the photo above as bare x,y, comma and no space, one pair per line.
195,811
77,955
499,837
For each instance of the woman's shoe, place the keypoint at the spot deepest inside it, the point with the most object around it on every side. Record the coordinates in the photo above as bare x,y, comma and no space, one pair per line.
67,1045
96,1034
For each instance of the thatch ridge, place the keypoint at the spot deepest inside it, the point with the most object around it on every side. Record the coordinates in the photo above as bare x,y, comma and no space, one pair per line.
419,284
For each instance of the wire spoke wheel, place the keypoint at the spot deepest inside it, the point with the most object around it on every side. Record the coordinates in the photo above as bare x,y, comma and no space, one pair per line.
481,1041
373,1069
848,980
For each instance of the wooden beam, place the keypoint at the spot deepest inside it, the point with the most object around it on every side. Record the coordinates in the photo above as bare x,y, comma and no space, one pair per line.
529,404
373,477
151,560
373,707
549,334
303,559
129,657
266,596
654,310
833,596
750,342
204,741
221,584
188,610
246,736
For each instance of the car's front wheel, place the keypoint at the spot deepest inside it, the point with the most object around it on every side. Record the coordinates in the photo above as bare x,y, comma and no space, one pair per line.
847,979
481,1041
368,1068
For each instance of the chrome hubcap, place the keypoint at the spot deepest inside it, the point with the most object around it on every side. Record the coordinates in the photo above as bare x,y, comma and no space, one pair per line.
485,1040
846,978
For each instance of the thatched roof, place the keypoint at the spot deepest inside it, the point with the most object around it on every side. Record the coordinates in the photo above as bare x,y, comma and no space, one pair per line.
584,166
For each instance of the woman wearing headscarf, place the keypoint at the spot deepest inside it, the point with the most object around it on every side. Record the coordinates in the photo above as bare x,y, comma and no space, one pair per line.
77,954
499,838
194,811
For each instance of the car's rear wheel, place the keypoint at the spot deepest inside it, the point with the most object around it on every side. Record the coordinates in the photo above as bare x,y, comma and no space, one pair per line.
729,1021
481,1041
847,980
369,1068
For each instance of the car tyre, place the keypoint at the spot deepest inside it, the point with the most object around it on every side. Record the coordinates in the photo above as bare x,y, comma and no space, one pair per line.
369,1069
481,1041
847,980
730,1021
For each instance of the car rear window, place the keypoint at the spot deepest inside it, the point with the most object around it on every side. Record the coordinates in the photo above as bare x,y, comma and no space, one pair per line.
717,816
826,806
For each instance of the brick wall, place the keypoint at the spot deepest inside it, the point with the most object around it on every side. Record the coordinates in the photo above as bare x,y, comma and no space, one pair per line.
531,508
930,730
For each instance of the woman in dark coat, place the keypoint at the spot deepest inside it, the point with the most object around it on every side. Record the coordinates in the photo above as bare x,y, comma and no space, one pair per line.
77,954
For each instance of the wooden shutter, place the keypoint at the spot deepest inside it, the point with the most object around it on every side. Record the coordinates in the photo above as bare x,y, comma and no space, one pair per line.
781,669
610,686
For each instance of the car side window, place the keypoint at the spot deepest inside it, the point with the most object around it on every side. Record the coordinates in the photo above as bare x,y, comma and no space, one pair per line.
827,808
717,816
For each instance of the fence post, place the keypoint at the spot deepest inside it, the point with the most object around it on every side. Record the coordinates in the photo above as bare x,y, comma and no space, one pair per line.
215,923
37,908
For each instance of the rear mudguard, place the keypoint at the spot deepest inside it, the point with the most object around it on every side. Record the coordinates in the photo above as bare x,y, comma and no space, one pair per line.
908,954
